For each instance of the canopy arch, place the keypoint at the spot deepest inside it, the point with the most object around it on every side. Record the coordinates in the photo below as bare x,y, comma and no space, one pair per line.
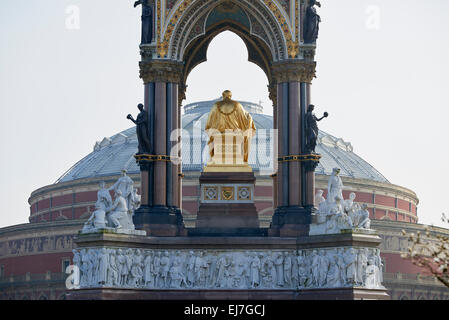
254,20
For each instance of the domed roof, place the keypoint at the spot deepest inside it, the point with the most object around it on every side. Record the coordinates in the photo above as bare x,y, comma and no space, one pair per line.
113,154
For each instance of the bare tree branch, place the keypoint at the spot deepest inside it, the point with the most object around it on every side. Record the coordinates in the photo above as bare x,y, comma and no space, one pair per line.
430,253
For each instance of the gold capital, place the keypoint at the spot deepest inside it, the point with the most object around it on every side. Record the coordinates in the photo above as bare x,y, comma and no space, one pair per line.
294,71
161,71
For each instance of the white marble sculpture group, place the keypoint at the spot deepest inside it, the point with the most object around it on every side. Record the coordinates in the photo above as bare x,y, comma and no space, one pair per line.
114,214
229,269
335,213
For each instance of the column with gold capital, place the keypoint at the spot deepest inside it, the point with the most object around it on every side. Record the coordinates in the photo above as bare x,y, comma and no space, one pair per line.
160,211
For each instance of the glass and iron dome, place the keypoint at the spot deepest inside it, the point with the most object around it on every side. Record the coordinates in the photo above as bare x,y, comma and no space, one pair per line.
115,153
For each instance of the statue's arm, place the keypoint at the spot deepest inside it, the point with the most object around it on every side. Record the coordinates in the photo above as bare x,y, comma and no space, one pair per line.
113,206
113,186
325,115
130,117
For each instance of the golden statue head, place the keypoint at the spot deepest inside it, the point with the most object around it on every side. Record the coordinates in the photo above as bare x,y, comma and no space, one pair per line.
226,94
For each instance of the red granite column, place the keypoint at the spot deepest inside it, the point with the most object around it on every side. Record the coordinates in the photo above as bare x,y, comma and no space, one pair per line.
175,146
279,147
160,146
144,187
294,145
275,156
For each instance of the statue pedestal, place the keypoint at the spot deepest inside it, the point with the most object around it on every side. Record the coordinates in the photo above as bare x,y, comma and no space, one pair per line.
228,154
227,204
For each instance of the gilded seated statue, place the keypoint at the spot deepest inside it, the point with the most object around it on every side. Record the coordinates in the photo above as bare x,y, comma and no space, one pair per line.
230,129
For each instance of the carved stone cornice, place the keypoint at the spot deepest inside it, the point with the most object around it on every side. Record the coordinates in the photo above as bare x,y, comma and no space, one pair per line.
293,71
161,71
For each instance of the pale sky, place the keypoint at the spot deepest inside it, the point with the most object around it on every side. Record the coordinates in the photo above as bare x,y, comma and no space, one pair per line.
382,76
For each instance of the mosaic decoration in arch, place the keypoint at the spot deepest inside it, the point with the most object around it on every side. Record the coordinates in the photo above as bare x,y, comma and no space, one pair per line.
292,45
290,34
254,9
220,13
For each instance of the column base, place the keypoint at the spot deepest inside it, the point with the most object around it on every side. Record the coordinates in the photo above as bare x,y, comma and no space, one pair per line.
291,221
160,221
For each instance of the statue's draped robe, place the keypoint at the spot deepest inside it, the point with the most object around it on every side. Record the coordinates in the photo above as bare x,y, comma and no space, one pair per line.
230,115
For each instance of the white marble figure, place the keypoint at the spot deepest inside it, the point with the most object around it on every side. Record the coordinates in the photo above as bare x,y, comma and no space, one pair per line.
113,273
229,268
115,214
350,259
323,268
362,261
157,268
319,199
98,218
135,201
334,186
137,269
348,204
93,266
177,278
333,275
364,220
222,266
278,262
335,213
340,263
379,264
201,266
269,272
255,271
148,274
191,269
371,273
240,277
164,268
129,264
122,267
76,262
103,195
315,268
118,211
303,270
103,266
287,269
83,268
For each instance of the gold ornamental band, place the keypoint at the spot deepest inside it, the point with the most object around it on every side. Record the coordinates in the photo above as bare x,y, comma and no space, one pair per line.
300,158
151,157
